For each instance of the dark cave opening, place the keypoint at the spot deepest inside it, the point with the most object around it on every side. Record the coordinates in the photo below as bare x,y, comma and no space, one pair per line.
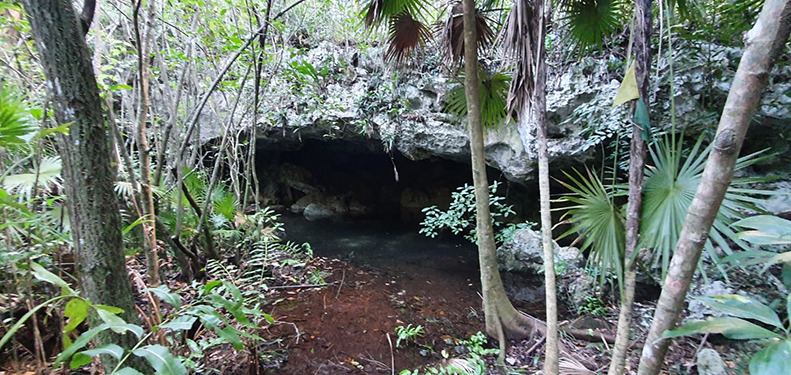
337,179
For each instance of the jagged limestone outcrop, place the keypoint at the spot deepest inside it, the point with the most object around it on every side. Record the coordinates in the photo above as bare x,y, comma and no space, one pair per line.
333,92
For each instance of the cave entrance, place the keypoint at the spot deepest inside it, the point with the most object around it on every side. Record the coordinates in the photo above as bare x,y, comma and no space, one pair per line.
341,180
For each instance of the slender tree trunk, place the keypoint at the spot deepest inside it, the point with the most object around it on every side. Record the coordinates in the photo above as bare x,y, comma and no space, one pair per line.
88,176
144,67
502,319
637,151
762,46
538,109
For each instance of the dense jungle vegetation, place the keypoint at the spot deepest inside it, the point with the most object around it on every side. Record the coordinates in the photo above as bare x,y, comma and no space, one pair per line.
146,201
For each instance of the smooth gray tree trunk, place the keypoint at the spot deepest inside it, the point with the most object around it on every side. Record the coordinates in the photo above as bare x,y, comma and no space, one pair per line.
762,46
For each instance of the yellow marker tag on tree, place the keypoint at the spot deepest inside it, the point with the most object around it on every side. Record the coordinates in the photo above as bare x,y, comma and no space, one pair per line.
628,90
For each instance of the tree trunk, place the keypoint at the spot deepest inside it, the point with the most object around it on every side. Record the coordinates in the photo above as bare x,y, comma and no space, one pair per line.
762,46
538,109
502,319
88,176
144,67
637,151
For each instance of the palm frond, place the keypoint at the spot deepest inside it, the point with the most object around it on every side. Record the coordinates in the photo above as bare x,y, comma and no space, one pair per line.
591,21
670,186
493,92
377,11
595,216
406,35
48,176
520,46
451,33
15,119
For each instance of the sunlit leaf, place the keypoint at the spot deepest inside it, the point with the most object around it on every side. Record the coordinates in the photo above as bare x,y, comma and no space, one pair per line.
774,359
161,360
732,328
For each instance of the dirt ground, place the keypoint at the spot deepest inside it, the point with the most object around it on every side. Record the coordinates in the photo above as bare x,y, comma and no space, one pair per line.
344,328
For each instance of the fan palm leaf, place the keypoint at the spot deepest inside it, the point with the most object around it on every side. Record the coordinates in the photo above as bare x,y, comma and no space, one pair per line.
377,11
670,186
493,92
48,176
591,21
451,33
406,34
596,217
15,119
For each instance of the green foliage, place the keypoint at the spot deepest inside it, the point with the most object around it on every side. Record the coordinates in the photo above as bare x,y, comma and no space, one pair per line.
593,306
776,355
670,185
408,334
591,21
46,176
775,358
596,217
16,122
460,216
472,364
493,92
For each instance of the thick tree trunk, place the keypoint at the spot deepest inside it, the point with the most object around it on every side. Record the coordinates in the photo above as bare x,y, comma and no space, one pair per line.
502,319
637,151
88,176
762,46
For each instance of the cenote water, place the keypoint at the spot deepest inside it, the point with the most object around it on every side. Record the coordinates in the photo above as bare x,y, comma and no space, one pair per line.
386,244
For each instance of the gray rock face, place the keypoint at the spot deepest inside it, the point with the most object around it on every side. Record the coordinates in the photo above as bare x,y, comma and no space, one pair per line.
524,252
709,362
360,99
316,211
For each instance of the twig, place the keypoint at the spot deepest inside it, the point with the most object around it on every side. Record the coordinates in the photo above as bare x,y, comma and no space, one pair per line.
392,357
702,342
305,286
535,346
341,286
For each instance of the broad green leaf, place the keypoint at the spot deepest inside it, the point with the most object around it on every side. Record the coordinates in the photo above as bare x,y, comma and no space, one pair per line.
86,356
774,360
79,359
642,119
116,323
182,323
743,307
628,90
42,274
732,328
230,335
120,87
90,334
127,371
76,310
161,360
768,230
164,293
211,285
110,309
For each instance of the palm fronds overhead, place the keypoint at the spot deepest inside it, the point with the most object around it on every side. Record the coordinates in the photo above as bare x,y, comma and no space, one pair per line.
377,11
451,32
406,34
520,44
591,21
406,31
493,92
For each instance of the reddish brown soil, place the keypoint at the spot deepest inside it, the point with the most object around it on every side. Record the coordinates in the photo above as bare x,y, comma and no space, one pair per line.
343,328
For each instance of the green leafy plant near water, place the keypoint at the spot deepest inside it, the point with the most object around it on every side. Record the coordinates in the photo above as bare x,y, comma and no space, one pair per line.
460,216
